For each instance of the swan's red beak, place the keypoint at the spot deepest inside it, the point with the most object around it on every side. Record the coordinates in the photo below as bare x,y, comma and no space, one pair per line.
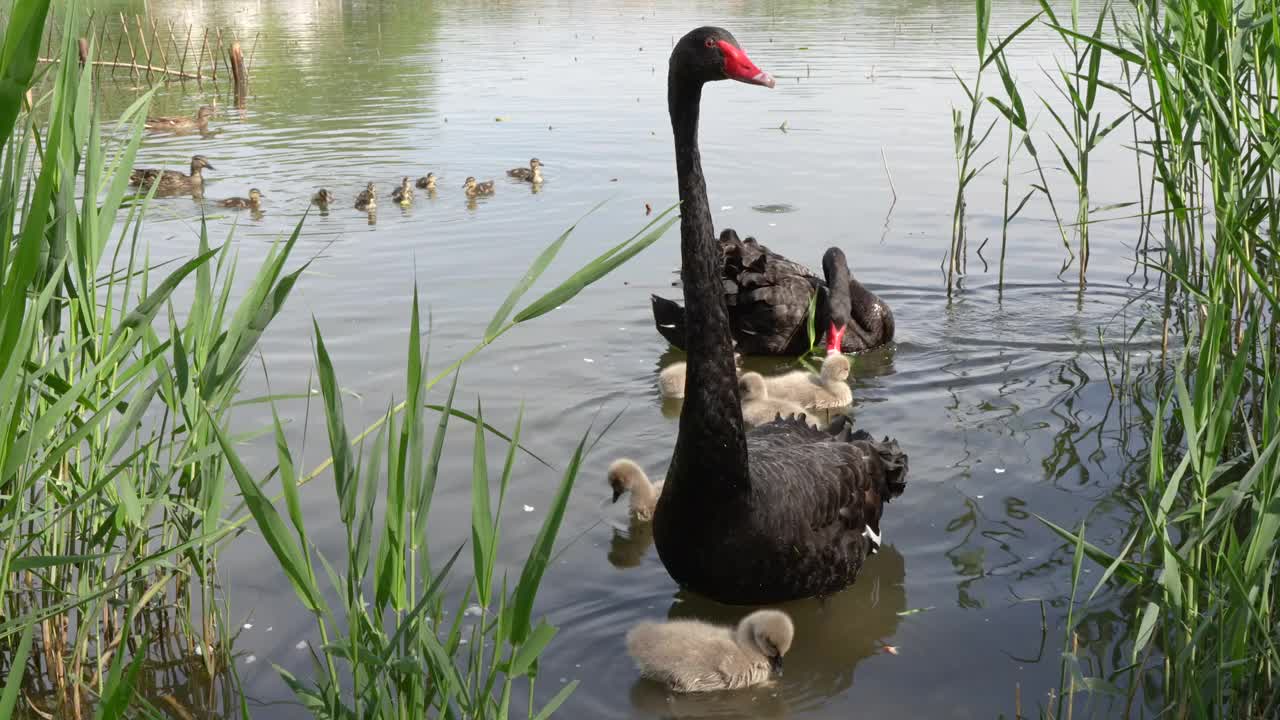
739,67
835,339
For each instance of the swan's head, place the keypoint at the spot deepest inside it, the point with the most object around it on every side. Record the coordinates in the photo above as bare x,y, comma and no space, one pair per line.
835,268
752,386
624,475
205,112
711,53
768,632
198,163
835,368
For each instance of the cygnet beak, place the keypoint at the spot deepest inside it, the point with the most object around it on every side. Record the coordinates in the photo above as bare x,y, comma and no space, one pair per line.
775,664
616,494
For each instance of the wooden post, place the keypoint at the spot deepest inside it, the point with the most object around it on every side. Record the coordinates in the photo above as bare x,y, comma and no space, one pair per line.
142,39
133,54
84,51
239,77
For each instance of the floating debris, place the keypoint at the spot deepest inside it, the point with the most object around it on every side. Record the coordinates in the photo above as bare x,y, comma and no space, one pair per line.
783,127
999,471
775,208
587,360
648,209
501,118
248,626
250,659
302,645
472,610
725,208
528,508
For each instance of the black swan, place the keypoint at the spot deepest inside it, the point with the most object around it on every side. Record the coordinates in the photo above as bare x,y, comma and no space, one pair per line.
782,512
768,298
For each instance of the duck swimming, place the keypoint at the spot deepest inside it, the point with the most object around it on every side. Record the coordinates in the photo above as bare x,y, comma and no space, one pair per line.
784,511
427,182
475,189
404,193
170,182
254,201
694,656
532,174
367,199
179,123
768,300
323,199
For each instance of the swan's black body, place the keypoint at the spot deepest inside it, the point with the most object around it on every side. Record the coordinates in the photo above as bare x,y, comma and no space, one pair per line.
779,513
768,297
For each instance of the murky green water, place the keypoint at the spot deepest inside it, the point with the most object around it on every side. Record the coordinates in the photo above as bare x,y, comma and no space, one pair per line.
1000,401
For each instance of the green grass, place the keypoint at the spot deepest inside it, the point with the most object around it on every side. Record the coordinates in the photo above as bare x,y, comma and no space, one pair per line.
118,471
1199,81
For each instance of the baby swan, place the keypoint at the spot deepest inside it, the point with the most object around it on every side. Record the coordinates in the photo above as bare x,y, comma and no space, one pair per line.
532,174
474,188
671,378
427,182
366,199
758,408
253,202
323,199
816,392
625,476
404,193
693,656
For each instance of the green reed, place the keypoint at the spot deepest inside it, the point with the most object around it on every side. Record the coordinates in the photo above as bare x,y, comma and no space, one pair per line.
1200,80
115,453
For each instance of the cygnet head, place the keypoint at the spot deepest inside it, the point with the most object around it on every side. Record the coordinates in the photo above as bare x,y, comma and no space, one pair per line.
768,632
835,368
624,476
752,386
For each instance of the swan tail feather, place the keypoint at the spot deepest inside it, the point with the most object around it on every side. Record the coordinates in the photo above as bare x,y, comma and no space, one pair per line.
668,319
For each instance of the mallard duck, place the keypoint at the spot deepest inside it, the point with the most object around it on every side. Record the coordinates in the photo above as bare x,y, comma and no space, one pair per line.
171,181
254,201
532,174
427,182
404,193
366,199
199,121
323,198
474,188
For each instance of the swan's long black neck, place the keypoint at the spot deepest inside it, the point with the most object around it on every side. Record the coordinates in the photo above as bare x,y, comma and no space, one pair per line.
711,445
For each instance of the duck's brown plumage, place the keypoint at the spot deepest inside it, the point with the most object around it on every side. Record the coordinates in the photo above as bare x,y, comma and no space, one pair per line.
172,181
177,123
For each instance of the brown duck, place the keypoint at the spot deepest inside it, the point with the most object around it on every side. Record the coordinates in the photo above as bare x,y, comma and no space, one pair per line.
532,174
366,199
179,123
254,201
171,181
475,189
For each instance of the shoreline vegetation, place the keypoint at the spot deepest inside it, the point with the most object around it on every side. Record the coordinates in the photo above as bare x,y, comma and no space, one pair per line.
116,462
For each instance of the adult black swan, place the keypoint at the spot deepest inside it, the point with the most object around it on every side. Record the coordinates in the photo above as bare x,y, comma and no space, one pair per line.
784,511
768,303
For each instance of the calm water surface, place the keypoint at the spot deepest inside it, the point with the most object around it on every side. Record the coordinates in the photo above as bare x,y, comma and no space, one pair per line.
1001,401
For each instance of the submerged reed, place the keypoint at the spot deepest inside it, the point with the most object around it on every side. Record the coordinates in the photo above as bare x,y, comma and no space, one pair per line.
1200,80
115,456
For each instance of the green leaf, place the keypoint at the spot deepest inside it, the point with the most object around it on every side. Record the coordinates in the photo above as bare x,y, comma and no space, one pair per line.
984,23
17,668
18,59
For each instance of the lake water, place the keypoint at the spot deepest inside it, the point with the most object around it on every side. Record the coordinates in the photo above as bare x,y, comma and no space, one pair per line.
1000,400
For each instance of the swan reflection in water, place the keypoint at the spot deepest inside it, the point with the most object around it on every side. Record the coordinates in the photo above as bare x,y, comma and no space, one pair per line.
832,637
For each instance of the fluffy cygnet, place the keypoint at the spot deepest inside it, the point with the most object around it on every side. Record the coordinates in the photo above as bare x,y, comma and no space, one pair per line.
816,392
671,378
694,656
759,408
625,476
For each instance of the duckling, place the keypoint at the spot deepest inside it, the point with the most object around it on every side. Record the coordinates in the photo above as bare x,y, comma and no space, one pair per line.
427,182
366,199
474,188
165,123
404,193
671,378
828,390
254,201
171,181
532,174
694,656
627,476
758,408
323,199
